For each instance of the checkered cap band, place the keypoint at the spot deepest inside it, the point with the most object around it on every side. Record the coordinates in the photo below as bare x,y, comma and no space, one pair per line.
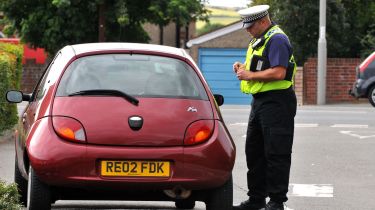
255,17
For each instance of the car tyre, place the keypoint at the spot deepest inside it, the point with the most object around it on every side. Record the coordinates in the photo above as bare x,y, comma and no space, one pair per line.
38,193
21,184
371,95
221,198
185,204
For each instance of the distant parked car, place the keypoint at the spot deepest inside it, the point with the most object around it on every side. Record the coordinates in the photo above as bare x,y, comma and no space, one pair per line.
38,54
364,86
123,121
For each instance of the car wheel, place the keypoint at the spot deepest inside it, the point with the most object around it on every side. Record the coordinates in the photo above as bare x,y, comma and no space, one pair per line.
371,95
221,198
185,204
38,193
21,184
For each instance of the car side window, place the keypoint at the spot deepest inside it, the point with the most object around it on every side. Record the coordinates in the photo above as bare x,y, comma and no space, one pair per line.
43,84
372,65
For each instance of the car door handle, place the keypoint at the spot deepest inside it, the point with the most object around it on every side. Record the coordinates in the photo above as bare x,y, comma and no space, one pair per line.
24,118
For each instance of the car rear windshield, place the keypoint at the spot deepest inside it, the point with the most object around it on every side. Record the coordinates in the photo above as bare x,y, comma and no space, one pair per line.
134,74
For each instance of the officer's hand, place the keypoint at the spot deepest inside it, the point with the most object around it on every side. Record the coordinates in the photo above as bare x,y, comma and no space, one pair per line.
236,66
242,74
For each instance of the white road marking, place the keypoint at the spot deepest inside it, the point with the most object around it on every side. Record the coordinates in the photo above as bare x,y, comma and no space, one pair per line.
306,125
334,111
238,124
348,126
286,208
311,190
313,125
298,125
351,133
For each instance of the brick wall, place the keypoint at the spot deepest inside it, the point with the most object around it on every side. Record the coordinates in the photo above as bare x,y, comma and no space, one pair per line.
298,85
340,78
31,73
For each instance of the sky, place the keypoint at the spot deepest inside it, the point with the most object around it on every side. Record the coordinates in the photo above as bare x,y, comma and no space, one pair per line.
229,3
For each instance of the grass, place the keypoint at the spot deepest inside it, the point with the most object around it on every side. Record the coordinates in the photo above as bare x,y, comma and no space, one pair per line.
223,12
220,16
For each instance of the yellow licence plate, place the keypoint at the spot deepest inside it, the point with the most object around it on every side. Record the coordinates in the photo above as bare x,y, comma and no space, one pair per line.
135,168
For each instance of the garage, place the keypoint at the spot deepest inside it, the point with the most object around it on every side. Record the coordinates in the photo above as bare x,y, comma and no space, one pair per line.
215,53
216,66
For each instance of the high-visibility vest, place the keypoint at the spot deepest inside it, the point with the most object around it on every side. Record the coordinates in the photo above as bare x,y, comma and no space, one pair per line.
253,87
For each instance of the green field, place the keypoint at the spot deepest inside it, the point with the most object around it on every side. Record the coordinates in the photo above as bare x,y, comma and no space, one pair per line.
220,16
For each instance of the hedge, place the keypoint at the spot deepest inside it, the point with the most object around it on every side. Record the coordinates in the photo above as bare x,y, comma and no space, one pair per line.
10,79
9,196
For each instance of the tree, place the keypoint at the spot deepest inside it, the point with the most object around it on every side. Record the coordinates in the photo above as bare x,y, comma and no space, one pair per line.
51,24
161,18
124,19
360,15
347,23
182,12
368,42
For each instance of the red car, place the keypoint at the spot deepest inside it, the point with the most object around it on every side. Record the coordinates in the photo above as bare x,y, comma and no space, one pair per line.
123,121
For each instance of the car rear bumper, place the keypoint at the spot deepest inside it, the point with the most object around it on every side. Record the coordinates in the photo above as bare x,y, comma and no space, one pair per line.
358,90
61,163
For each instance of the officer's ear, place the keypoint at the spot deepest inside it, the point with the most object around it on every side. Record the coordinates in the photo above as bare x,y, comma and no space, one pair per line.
264,20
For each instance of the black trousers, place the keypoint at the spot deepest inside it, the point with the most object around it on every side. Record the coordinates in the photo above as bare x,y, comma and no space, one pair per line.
269,144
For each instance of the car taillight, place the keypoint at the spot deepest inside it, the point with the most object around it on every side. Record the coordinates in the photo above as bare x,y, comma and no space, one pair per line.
198,132
69,129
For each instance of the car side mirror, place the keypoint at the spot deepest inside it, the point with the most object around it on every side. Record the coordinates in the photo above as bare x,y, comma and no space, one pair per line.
15,96
219,99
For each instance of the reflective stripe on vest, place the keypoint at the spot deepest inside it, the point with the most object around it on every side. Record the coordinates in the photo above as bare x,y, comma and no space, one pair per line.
253,87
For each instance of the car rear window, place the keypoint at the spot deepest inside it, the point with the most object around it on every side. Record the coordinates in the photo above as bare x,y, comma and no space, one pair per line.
137,75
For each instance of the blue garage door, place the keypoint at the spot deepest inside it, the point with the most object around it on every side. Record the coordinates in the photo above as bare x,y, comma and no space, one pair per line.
216,66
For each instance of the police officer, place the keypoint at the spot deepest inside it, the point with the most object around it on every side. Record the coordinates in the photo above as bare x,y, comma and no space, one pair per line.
267,75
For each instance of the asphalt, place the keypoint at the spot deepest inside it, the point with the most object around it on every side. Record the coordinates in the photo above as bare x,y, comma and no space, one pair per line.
332,167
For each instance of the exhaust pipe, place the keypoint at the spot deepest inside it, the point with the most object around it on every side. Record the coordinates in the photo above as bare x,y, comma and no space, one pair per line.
178,193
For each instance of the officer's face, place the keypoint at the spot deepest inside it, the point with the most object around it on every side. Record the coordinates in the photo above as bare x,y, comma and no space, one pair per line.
254,30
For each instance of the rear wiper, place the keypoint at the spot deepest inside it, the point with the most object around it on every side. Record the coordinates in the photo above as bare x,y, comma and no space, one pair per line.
129,98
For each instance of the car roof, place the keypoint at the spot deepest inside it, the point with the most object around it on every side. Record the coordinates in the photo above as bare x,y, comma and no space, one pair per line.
108,46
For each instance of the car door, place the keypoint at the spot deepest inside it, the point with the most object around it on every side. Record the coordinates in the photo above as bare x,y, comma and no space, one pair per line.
29,115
